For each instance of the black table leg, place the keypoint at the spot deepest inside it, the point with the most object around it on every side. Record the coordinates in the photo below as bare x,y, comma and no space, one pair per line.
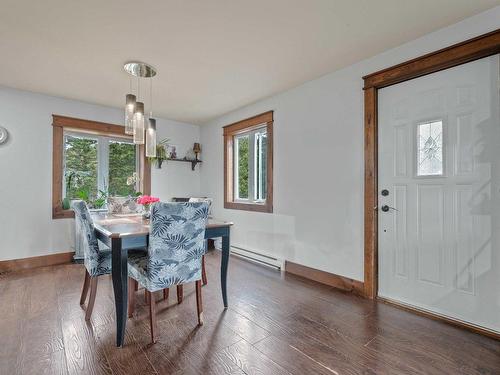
119,273
223,266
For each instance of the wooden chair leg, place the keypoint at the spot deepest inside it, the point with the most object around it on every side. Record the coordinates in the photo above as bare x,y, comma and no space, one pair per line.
152,315
199,303
180,293
93,291
203,271
85,289
136,286
166,292
131,296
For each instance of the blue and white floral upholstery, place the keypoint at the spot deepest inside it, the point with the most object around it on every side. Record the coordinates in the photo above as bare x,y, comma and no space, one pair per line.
97,262
176,245
123,205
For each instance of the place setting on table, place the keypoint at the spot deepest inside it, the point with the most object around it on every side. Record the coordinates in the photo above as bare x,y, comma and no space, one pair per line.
160,247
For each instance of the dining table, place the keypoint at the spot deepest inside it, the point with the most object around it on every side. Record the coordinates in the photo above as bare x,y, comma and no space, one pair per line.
126,232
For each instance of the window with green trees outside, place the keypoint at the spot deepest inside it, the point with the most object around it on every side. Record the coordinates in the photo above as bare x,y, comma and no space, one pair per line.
96,167
251,165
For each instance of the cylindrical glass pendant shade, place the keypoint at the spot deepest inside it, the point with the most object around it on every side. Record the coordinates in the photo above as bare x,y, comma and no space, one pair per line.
139,123
129,113
151,138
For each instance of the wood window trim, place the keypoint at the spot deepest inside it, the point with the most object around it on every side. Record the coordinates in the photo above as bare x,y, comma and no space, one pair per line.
229,132
59,124
457,54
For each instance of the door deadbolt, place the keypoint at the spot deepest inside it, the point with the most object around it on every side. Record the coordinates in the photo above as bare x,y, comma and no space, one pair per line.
386,208
385,192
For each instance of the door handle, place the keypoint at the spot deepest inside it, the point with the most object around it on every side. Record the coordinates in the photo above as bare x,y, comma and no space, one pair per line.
386,208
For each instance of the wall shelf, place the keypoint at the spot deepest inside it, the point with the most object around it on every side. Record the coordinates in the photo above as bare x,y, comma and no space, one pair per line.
193,162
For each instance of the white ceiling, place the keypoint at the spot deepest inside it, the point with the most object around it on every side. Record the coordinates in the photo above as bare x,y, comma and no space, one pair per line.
213,56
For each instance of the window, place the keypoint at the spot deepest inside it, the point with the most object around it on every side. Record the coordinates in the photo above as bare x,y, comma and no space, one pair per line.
430,149
248,164
122,164
97,166
92,160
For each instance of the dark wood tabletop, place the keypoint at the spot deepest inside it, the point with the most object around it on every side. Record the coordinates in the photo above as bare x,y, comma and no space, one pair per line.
133,225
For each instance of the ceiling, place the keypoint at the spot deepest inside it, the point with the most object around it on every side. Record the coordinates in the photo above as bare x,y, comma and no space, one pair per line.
212,56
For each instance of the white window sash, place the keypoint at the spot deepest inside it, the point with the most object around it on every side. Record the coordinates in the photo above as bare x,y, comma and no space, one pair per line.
102,163
102,158
253,166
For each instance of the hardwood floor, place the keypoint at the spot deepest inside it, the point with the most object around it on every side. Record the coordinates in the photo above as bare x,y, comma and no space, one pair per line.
276,324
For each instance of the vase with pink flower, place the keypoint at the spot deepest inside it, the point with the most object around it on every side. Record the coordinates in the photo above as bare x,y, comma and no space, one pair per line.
146,201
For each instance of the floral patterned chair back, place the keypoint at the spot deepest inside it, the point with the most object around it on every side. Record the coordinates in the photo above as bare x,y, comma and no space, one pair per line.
97,263
176,243
123,205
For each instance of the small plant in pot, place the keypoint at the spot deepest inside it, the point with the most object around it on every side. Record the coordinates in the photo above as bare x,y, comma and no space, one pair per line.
161,154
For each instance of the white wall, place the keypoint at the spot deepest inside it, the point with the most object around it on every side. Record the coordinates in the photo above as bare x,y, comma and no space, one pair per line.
26,225
176,179
318,161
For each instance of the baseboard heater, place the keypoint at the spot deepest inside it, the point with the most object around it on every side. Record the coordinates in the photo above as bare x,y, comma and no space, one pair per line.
258,257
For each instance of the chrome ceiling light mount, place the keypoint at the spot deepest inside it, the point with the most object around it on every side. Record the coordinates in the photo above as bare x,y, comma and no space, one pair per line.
135,123
139,69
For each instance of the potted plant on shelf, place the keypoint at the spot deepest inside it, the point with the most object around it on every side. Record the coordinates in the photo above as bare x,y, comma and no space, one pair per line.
161,153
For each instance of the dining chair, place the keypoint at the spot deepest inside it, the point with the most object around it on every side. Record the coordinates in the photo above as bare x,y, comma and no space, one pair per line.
209,201
176,247
204,279
97,262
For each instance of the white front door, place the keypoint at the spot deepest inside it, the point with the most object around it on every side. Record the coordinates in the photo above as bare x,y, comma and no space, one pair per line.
439,193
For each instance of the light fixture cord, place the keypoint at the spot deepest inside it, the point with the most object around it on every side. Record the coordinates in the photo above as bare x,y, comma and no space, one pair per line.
151,97
138,89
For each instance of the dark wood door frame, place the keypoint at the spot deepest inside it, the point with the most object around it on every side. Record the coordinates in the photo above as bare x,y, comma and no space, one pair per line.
461,53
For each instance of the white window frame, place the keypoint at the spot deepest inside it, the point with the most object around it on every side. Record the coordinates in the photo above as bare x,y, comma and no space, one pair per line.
252,162
102,157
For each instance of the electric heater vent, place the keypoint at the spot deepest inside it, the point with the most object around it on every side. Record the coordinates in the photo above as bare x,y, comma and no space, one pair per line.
258,257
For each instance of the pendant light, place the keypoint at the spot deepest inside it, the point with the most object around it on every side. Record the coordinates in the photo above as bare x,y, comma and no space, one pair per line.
139,123
151,138
135,121
130,100
151,127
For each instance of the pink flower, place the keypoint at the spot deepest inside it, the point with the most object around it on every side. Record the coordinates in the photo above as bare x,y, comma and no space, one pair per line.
147,199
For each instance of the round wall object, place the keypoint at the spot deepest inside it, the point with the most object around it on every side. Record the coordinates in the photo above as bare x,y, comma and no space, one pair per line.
4,135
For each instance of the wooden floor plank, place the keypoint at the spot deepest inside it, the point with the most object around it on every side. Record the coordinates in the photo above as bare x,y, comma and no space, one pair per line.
349,349
275,324
291,358
43,344
252,361
14,294
130,359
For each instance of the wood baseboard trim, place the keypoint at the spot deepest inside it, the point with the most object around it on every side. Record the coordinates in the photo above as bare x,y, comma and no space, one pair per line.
323,277
448,320
34,262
